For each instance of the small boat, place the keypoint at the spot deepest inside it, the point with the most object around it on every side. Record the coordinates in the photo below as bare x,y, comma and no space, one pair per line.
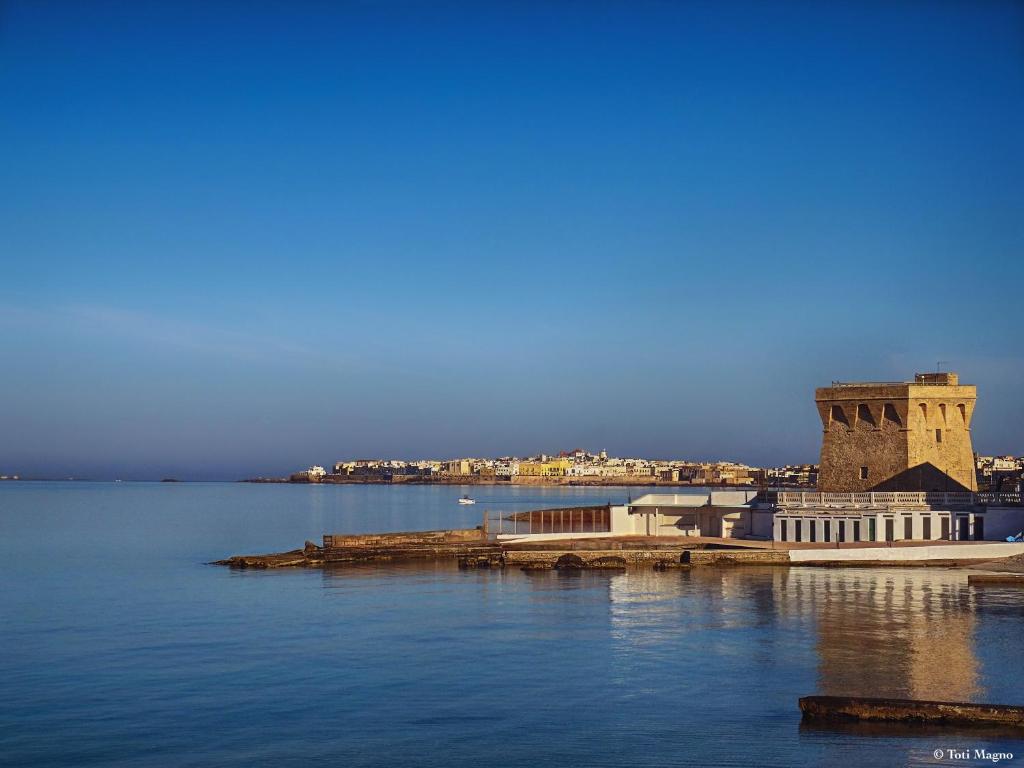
466,500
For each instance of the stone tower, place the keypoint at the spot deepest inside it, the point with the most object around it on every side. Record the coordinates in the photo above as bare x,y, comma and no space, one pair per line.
897,436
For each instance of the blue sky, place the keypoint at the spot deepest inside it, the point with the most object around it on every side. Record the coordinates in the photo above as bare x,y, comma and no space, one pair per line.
241,238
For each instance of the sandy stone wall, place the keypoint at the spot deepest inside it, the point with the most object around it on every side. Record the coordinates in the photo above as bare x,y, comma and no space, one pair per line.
457,535
737,557
946,411
607,557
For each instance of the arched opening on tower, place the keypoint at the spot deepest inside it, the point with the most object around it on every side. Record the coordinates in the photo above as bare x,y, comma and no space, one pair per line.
891,415
942,410
838,416
924,413
963,413
864,416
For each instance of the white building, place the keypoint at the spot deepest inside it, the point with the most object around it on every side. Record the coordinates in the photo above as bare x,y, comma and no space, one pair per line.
721,514
895,516
799,517
506,467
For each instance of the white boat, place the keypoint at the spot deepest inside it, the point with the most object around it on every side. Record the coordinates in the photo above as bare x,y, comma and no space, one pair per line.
466,500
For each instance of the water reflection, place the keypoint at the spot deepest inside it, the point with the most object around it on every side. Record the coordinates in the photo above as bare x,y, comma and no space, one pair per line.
906,634
895,633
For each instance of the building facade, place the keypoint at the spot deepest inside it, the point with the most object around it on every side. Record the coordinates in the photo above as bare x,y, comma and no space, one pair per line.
545,468
457,467
837,518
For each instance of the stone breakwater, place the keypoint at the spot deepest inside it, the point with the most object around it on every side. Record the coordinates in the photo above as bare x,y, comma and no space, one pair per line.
854,708
562,559
473,548
343,549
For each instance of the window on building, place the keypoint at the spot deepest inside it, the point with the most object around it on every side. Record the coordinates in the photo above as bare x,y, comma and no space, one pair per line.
842,530
828,531
814,530
926,529
783,532
863,473
944,528
908,527
797,532
856,530
938,435
979,528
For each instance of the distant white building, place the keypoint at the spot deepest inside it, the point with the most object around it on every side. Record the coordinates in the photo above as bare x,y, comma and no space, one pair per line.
506,468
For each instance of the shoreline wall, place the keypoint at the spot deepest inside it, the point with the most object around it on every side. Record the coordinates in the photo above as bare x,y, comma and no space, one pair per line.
942,552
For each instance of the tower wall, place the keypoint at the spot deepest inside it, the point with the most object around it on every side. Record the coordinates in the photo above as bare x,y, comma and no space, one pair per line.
946,411
912,436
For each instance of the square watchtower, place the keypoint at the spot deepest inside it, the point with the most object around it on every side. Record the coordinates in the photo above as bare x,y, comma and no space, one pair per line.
897,436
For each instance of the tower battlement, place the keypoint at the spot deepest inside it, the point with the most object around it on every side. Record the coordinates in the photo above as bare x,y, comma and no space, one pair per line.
897,436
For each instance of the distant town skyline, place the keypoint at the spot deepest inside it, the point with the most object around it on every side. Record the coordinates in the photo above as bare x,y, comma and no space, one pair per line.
234,242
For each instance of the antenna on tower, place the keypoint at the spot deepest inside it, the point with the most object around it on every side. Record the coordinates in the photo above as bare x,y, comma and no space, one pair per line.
939,364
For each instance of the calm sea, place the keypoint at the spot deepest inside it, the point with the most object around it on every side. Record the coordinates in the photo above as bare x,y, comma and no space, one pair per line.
119,646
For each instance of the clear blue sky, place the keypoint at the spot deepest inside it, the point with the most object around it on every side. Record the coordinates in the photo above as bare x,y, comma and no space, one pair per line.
240,238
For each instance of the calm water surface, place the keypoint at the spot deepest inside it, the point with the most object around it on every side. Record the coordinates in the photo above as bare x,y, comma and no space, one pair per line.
118,646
